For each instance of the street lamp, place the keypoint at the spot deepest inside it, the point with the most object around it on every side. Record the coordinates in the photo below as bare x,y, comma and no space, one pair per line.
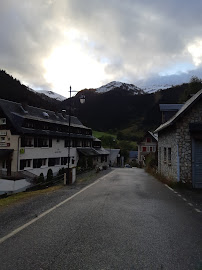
82,101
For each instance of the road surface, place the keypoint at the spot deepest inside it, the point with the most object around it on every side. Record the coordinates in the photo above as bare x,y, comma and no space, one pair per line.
125,220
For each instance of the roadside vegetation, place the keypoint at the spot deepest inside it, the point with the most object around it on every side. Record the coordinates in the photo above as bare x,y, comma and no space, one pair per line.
19,197
112,141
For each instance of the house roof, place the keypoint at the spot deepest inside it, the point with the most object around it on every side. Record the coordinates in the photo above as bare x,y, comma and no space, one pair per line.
96,139
17,113
133,154
170,107
89,151
113,154
155,136
184,108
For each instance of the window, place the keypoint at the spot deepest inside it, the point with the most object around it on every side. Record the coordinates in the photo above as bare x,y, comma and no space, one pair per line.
26,142
148,140
67,143
2,139
42,142
38,163
144,149
169,155
150,149
25,163
53,162
159,155
63,160
4,164
165,154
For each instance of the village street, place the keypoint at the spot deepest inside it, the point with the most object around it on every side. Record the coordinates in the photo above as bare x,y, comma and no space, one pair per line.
124,220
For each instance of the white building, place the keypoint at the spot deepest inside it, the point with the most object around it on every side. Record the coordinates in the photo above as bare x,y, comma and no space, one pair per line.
33,140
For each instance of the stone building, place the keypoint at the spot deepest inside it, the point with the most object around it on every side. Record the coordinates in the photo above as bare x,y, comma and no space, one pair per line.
180,144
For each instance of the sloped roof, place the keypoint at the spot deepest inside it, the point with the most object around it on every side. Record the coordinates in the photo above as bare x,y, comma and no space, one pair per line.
155,136
96,139
16,113
113,154
184,108
170,107
133,154
89,151
102,151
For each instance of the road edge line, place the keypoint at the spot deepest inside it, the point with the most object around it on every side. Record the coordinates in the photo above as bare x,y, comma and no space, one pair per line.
19,229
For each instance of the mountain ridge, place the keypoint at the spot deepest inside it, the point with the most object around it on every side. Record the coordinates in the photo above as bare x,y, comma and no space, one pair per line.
117,110
116,84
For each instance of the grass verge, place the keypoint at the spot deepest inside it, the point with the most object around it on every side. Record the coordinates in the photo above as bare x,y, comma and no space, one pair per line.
18,197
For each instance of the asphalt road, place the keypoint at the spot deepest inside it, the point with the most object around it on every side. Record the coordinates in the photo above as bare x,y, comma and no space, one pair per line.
125,220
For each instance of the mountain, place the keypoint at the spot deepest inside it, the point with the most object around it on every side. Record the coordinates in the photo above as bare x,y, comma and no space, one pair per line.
118,110
12,89
51,94
119,85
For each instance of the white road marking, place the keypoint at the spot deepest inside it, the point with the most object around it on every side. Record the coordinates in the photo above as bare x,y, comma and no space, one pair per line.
190,204
169,187
179,195
49,211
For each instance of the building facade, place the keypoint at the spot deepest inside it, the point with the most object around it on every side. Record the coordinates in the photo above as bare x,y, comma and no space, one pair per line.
34,140
180,144
147,146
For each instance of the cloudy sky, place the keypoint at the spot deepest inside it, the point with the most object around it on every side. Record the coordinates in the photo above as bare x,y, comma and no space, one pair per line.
52,44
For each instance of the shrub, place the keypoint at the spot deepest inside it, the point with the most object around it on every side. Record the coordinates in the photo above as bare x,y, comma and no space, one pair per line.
49,175
61,171
40,178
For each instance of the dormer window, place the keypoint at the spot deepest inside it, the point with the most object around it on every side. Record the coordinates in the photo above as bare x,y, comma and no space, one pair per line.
45,114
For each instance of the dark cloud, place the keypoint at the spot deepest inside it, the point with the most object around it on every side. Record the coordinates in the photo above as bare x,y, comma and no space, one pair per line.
139,39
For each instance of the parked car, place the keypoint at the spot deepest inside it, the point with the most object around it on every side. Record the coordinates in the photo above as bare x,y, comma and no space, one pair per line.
128,166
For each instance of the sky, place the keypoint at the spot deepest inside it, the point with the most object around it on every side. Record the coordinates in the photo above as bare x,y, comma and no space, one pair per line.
52,44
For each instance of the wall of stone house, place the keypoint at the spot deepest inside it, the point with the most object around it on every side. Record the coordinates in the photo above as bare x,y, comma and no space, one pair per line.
184,139
179,137
168,139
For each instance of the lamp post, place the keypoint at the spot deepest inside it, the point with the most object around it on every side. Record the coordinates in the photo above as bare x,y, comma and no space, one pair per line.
82,101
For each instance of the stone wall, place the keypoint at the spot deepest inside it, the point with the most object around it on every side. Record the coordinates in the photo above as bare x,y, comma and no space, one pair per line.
179,138
184,138
167,139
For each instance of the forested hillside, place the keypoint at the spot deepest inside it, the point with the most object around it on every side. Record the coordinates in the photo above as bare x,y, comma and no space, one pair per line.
123,113
117,111
12,89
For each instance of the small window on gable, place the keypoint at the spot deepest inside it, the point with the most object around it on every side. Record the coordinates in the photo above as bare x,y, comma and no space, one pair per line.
169,155
148,139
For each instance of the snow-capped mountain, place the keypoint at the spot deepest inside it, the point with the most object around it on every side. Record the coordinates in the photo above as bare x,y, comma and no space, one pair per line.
52,94
125,86
154,88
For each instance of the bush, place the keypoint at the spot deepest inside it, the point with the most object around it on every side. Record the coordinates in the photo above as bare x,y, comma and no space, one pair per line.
49,175
40,178
61,171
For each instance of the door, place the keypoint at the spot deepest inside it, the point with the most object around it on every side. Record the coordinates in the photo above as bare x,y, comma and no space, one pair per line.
197,164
